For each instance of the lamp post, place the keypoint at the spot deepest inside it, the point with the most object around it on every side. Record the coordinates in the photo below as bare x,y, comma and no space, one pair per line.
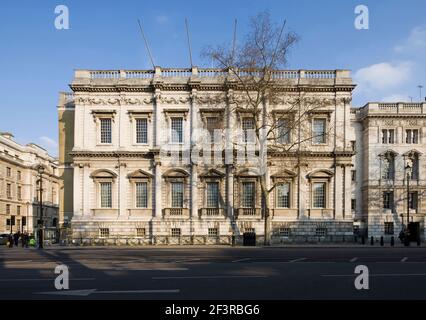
40,171
407,231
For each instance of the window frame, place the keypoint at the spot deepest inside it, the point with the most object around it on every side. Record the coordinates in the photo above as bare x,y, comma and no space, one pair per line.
100,120
325,194
314,136
171,130
289,202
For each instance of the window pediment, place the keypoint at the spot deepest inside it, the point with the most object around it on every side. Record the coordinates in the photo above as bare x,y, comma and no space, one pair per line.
103,174
286,174
176,173
320,174
139,174
212,173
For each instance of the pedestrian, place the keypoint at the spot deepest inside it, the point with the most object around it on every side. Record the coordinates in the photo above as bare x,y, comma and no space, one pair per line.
23,239
10,240
16,238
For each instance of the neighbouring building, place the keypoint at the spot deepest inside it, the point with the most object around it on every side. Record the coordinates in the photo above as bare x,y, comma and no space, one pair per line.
119,186
19,187
390,143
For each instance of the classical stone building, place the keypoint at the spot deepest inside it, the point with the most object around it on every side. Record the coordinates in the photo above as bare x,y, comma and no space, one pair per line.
389,136
120,132
19,188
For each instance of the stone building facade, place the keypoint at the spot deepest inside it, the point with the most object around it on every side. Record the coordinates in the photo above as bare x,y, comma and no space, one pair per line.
19,188
121,184
389,136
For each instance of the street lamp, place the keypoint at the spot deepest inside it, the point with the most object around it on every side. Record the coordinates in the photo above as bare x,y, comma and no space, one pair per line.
407,231
40,170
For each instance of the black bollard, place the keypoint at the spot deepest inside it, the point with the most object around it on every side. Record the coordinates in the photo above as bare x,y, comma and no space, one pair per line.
418,241
382,241
363,240
392,241
372,241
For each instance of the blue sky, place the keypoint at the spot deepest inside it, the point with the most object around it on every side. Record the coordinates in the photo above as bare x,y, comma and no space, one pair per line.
37,60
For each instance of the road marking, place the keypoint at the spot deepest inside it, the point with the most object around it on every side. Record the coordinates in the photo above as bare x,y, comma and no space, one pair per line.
187,260
87,292
207,277
297,260
354,259
404,259
241,260
44,279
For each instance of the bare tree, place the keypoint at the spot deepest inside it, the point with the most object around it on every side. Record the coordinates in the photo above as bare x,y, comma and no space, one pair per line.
256,75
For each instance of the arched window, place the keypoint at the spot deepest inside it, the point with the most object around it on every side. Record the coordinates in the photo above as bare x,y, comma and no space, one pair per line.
104,180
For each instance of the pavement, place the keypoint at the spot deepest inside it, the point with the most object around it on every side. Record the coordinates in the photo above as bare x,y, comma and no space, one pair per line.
201,272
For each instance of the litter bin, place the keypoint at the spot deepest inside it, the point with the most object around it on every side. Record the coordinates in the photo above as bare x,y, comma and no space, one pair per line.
249,239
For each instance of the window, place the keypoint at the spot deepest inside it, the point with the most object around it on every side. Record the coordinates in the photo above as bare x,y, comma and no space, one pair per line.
319,195
18,210
177,194
177,130
8,172
284,232
140,232
213,232
8,209
388,167
141,131
389,228
19,192
104,232
283,131
8,222
106,130
249,230
106,194
415,169
176,232
321,232
388,136
353,204
248,195
412,136
212,124
413,200
319,131
212,195
19,175
283,195
248,130
353,145
141,194
387,200
353,175
9,191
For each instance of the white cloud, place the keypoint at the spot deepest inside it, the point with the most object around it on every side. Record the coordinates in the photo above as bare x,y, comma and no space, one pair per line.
162,19
396,98
383,76
416,41
48,142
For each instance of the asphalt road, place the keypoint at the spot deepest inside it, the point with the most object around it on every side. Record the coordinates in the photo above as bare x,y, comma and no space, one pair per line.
213,273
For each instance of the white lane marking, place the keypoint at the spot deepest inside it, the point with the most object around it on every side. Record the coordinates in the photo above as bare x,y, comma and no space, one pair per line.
297,260
354,259
187,260
404,259
44,279
95,291
241,260
207,277
379,275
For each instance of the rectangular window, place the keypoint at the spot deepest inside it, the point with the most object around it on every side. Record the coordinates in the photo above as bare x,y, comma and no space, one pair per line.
413,200
18,210
387,200
319,131
412,136
319,195
284,232
106,130
248,195
283,195
248,130
104,232
176,232
388,168
19,192
321,232
353,145
353,175
9,191
141,194
177,130
212,195
389,228
19,175
177,194
388,136
106,194
8,172
213,232
8,209
140,232
283,131
212,124
141,131
353,204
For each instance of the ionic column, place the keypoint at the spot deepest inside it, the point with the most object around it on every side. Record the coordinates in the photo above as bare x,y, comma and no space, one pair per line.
77,192
122,191
348,193
338,192
194,191
157,189
86,189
